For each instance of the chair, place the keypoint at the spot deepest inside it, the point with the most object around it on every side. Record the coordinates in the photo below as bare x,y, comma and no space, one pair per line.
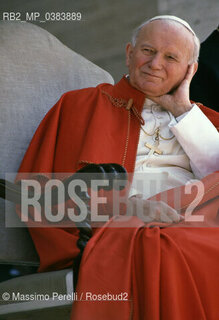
36,69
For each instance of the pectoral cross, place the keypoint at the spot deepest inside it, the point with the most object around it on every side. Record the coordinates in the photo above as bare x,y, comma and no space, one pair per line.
153,148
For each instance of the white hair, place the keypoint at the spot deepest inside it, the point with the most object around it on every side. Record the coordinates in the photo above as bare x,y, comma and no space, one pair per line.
173,19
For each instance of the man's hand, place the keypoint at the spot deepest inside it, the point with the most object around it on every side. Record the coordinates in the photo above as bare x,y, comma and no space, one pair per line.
148,210
177,102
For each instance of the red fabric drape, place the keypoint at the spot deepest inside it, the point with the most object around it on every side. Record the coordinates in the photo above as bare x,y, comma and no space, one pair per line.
169,272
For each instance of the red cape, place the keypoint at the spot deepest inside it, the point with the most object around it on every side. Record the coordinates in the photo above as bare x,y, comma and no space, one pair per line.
162,274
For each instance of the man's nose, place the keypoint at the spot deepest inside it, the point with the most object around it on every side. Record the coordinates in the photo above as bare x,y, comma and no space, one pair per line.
156,62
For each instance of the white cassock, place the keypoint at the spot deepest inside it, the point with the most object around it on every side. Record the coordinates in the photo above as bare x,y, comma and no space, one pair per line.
190,152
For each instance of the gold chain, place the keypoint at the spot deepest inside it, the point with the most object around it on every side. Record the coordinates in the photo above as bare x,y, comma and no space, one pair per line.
166,138
157,134
157,130
149,134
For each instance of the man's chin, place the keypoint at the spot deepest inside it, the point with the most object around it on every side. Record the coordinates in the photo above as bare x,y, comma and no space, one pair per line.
152,92
149,88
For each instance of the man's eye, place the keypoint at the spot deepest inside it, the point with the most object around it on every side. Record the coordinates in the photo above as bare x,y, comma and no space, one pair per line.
171,58
146,50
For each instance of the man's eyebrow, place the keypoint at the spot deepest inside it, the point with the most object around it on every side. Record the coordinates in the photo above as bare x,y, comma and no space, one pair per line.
146,45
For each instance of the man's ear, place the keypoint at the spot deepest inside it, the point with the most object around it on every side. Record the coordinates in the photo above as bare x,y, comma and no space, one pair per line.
129,51
195,68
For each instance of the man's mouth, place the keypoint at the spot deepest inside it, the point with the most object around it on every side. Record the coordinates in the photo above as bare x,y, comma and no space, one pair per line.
152,75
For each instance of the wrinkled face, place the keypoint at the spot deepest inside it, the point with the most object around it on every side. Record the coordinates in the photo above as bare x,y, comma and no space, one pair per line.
159,60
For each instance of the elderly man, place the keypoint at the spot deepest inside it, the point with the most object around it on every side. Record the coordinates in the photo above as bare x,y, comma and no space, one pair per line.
147,123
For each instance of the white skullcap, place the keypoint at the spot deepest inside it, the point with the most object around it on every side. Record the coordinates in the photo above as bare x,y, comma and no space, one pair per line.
174,18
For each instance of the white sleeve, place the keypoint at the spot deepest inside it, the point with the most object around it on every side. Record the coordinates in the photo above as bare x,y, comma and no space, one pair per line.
199,139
